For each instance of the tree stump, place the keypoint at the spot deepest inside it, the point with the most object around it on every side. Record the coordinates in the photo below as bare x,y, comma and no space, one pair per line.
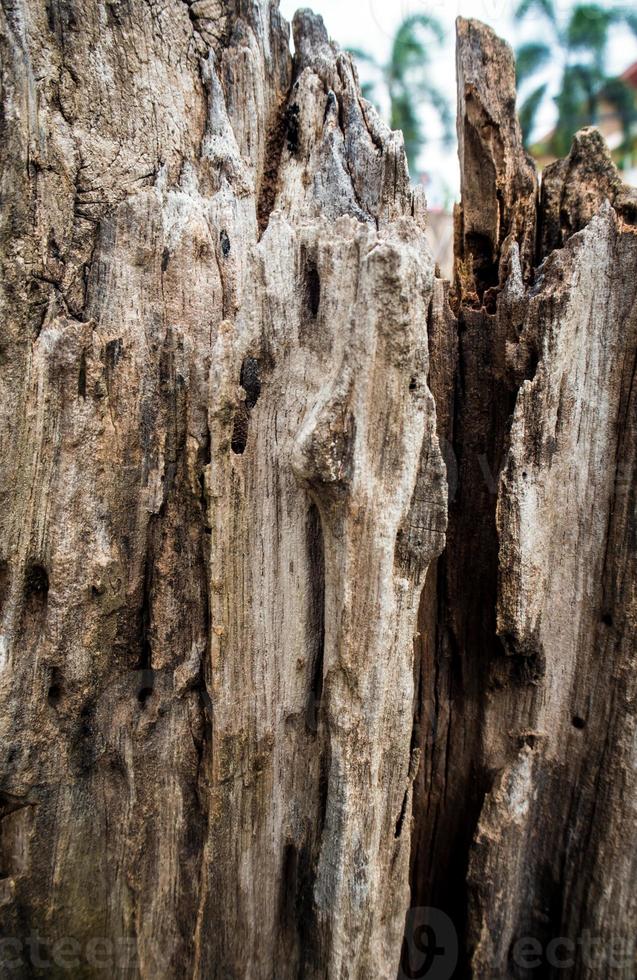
238,410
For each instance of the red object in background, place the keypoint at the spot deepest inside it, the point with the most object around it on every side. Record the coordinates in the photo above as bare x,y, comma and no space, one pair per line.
630,76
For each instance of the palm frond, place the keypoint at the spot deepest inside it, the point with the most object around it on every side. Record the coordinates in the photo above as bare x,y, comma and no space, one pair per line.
431,94
424,22
576,104
545,7
530,58
588,27
622,98
409,46
405,117
528,111
630,18
407,52
359,54
407,81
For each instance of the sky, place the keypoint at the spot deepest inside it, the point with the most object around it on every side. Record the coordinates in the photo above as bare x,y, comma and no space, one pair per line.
370,24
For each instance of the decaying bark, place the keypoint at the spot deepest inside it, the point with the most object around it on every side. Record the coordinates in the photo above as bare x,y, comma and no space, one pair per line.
225,492
524,805
229,378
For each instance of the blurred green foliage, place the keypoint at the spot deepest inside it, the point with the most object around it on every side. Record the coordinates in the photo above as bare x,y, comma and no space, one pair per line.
578,41
406,78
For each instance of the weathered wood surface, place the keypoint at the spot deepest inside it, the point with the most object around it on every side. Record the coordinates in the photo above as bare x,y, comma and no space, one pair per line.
223,491
525,802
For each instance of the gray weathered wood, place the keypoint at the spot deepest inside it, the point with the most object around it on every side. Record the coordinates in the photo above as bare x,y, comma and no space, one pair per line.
222,490
229,385
525,802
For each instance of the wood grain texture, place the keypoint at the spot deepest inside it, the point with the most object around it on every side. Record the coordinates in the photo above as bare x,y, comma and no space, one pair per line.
524,806
236,408
224,494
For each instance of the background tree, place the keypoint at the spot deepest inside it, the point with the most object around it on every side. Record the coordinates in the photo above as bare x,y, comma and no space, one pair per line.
406,79
580,41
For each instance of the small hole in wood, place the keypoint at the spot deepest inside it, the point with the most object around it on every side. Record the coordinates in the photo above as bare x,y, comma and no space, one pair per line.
36,583
54,694
4,580
239,439
113,354
292,128
143,695
607,619
81,378
578,722
312,288
250,381
86,720
146,682
401,818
